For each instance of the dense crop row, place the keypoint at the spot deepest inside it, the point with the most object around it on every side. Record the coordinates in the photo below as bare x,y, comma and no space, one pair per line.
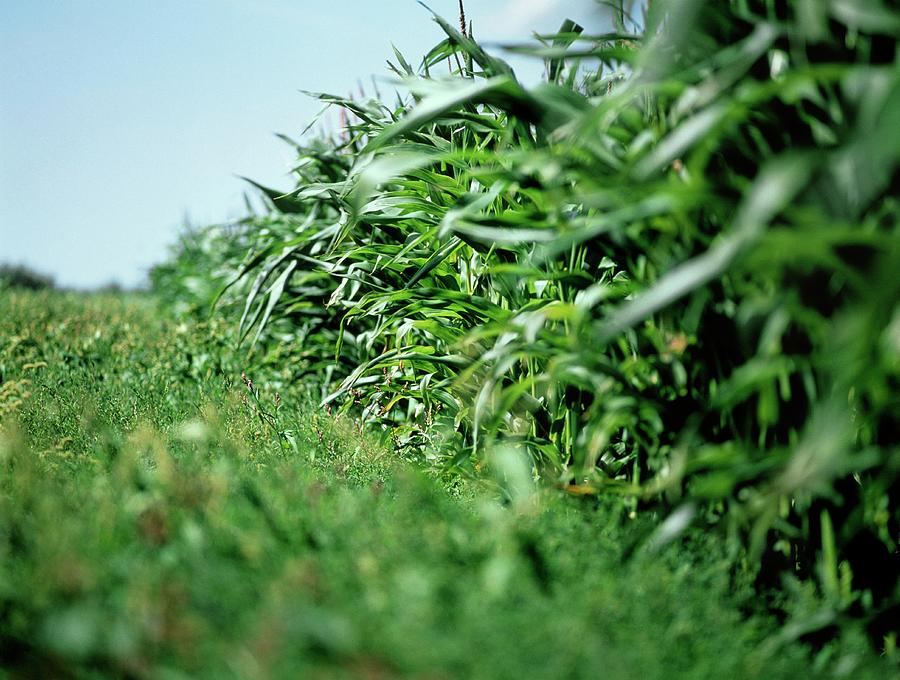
669,271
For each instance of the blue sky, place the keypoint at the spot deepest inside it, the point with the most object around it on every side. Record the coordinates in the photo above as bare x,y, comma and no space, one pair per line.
120,119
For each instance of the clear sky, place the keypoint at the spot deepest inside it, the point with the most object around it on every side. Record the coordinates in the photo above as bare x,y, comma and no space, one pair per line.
120,119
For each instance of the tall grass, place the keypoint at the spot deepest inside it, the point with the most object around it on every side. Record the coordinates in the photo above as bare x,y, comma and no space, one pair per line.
667,272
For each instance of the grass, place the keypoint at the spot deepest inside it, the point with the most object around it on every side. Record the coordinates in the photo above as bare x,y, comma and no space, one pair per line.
158,519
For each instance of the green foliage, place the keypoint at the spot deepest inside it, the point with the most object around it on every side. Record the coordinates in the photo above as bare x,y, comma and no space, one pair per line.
668,272
160,519
200,263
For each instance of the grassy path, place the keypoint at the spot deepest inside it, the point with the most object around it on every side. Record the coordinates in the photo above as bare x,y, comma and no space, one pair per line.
159,520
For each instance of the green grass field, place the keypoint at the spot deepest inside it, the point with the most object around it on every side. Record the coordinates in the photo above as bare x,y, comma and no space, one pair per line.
160,520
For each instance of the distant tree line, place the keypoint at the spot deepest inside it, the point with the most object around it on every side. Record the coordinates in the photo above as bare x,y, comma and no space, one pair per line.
22,276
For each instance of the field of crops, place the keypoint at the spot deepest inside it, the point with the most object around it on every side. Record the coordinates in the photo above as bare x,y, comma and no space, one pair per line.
592,378
158,519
